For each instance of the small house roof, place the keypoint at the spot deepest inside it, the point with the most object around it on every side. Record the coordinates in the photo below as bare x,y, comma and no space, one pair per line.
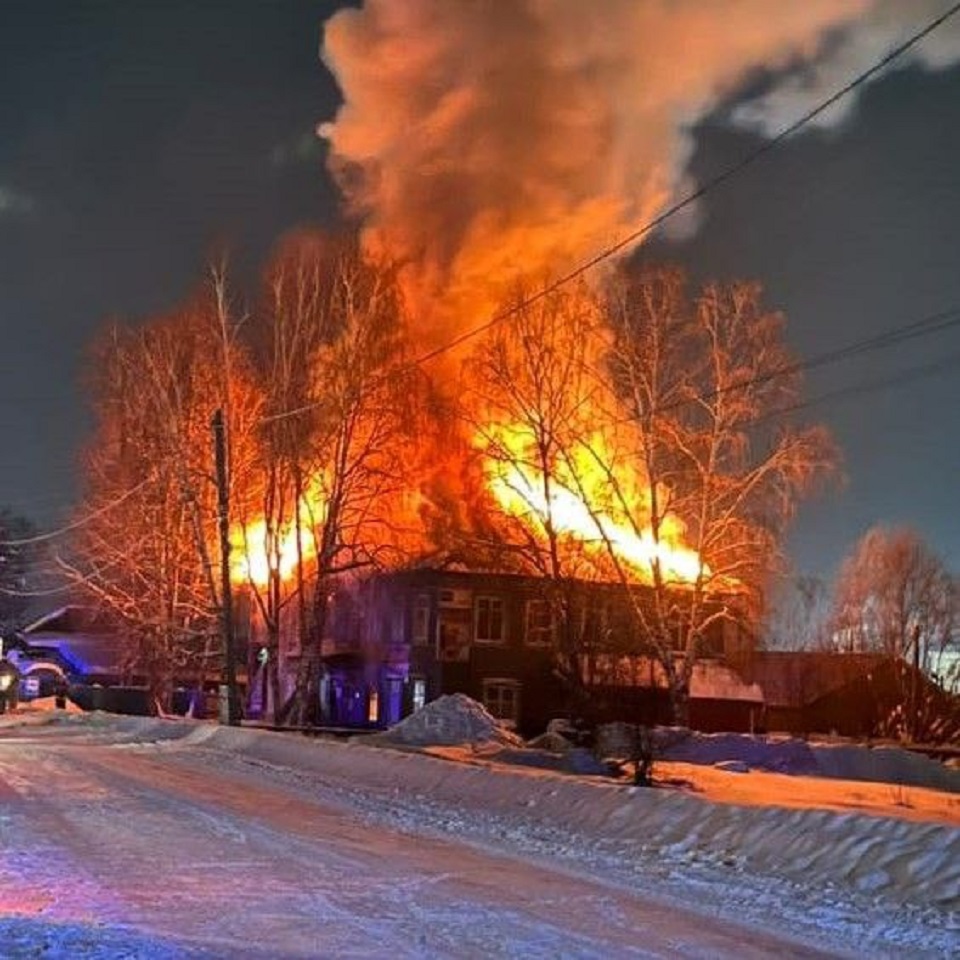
81,637
797,678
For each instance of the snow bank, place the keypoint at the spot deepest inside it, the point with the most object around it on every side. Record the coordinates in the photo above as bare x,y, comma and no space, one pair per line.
778,755
449,720
887,764
883,764
877,856
888,877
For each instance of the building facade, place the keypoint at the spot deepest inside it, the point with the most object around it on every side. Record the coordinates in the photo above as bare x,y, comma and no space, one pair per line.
394,642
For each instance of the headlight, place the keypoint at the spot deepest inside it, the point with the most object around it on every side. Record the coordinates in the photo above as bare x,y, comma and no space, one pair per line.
5,681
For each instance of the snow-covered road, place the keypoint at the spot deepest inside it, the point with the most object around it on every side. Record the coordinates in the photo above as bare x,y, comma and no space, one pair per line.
139,838
120,848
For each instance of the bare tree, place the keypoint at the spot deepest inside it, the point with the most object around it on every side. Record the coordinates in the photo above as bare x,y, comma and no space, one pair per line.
144,555
895,596
892,590
534,405
707,385
286,334
356,512
636,437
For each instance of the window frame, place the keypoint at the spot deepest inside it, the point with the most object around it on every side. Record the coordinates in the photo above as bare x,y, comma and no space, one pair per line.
418,693
489,598
421,605
550,630
500,684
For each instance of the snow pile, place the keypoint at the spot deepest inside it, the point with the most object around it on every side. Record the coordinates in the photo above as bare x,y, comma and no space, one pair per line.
447,721
552,742
775,754
894,857
886,764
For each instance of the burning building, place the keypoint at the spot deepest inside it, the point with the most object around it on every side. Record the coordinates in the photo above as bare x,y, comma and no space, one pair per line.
524,648
588,440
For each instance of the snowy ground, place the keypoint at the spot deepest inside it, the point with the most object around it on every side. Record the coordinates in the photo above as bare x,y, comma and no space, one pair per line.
145,838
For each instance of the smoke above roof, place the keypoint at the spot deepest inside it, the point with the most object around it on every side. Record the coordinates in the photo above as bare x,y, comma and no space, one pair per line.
481,141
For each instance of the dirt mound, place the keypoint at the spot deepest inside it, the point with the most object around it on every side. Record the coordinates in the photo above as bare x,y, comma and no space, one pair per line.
447,721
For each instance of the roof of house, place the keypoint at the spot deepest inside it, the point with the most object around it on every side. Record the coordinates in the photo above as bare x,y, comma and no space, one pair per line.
81,637
70,619
799,677
710,679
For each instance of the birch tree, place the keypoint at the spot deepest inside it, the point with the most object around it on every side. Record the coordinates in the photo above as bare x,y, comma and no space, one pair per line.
895,596
286,334
638,437
359,401
708,384
533,405
144,552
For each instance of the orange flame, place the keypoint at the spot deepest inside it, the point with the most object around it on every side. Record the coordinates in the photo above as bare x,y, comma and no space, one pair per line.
257,551
586,497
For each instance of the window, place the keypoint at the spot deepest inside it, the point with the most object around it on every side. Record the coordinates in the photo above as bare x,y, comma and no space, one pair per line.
453,635
489,626
419,693
502,700
540,623
373,707
420,620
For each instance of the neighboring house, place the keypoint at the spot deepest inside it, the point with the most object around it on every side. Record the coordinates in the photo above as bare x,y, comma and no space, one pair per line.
78,639
850,694
396,641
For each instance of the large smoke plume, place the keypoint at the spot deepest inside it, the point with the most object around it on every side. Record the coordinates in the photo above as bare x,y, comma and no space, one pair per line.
480,139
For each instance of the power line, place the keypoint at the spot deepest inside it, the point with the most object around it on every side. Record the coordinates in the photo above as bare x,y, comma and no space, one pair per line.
908,375
76,524
934,323
948,318
689,199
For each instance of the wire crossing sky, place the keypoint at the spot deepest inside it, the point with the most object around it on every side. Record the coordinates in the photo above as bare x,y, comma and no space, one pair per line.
139,143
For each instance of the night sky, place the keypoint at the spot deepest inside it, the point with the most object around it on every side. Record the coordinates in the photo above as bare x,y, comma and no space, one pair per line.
140,138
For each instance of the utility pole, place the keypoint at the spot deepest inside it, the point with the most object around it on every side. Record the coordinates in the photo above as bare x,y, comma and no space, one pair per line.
915,686
226,597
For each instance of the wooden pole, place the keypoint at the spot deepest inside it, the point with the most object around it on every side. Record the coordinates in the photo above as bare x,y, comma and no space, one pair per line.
226,597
